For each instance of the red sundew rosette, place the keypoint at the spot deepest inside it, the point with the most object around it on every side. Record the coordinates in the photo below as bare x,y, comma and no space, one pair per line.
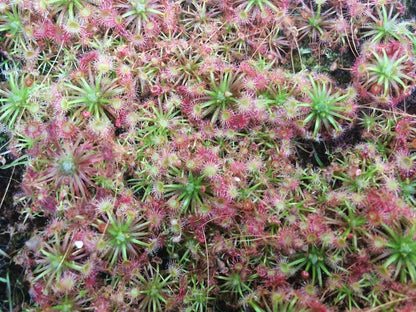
385,72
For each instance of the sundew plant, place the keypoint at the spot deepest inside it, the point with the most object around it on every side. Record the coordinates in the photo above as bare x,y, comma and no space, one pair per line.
185,155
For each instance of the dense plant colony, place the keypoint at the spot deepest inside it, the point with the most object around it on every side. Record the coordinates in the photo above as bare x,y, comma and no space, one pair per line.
212,155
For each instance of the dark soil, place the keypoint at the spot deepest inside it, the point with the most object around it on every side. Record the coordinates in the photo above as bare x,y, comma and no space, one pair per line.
410,9
320,153
11,240
409,104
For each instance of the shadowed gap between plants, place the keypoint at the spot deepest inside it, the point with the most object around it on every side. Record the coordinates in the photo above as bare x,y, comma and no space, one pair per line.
409,104
319,153
3,60
12,240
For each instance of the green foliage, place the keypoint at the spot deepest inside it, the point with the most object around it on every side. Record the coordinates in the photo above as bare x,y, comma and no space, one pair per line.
386,26
97,95
67,12
315,21
197,297
236,282
11,22
60,255
16,103
326,107
354,223
387,72
189,193
143,184
369,173
408,190
22,143
252,5
6,280
72,302
220,100
154,289
276,95
123,235
158,125
315,259
400,251
137,12
281,302
14,32
350,294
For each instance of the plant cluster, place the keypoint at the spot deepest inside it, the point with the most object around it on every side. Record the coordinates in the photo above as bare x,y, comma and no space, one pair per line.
213,155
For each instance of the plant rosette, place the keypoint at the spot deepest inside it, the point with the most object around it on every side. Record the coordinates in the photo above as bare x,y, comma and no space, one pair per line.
385,72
